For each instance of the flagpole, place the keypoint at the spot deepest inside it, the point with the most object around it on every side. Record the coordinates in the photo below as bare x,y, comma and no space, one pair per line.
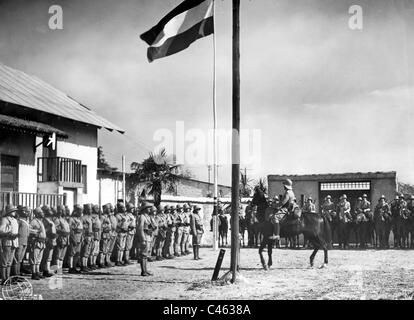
235,172
215,172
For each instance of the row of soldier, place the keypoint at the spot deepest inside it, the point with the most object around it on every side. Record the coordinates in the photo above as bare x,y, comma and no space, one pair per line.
368,224
89,238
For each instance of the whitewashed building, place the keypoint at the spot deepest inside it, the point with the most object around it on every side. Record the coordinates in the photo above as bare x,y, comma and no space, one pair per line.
32,171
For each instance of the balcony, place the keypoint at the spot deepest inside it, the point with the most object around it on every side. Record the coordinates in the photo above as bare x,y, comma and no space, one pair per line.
64,171
31,200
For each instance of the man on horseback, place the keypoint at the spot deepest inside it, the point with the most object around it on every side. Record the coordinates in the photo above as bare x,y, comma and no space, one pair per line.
328,209
285,209
309,206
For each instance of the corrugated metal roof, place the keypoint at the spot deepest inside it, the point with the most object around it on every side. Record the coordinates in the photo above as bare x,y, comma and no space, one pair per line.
29,91
17,124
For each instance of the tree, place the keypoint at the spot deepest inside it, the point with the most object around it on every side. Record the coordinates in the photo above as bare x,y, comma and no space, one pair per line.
157,172
102,162
245,186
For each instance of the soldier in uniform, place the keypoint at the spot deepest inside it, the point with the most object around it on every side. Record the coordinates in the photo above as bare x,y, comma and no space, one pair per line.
179,230
112,241
369,223
87,237
24,229
197,230
75,238
96,237
382,216
186,230
105,236
344,218
131,232
154,222
50,240
144,234
169,241
37,239
62,231
329,213
309,206
122,228
9,233
162,232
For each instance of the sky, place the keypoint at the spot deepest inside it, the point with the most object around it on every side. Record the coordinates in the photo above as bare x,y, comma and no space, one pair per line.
324,98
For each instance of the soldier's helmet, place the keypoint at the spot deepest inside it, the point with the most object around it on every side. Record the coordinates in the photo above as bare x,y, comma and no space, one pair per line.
95,209
46,210
167,208
401,196
328,197
412,197
364,196
129,206
344,196
382,197
178,207
288,184
396,197
153,209
10,210
144,206
53,211
77,210
160,209
60,210
310,198
23,211
185,207
38,212
196,208
359,199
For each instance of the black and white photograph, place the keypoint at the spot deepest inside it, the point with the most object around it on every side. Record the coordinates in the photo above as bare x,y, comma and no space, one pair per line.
207,154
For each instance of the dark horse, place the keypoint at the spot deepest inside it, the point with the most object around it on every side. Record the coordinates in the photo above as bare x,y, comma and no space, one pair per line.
223,228
315,227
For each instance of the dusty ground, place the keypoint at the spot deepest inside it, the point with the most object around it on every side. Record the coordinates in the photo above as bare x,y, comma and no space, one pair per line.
351,274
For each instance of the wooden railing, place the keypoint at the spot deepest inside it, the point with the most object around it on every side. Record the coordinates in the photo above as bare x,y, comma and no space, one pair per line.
59,170
31,200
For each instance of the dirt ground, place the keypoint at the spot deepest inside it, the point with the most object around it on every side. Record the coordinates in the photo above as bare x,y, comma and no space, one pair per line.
351,274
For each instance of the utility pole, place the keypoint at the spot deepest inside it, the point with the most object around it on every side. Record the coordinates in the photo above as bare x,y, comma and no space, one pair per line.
235,172
123,179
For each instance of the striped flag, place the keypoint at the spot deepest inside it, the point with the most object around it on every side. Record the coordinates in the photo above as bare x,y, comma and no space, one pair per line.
189,21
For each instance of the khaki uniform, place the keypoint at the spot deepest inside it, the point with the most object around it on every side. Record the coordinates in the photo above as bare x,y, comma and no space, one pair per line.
113,233
168,250
96,238
24,231
50,242
162,234
309,208
105,237
122,228
145,228
87,236
179,233
9,232
37,239
130,234
344,213
62,241
75,237
186,234
328,210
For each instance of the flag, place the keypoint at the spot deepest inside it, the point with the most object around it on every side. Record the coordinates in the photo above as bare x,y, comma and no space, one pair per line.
189,21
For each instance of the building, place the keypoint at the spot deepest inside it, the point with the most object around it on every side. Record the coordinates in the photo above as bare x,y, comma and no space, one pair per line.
354,185
35,168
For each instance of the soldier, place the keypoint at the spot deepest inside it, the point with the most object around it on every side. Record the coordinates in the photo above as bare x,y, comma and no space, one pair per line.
144,234
186,230
37,241
169,241
62,241
131,232
344,218
154,222
179,230
24,229
112,241
162,232
105,236
75,238
369,224
50,240
9,233
87,237
197,230
328,209
309,206
96,239
121,230
382,216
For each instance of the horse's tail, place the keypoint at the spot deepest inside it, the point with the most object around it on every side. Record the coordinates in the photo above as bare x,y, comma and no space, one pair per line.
327,232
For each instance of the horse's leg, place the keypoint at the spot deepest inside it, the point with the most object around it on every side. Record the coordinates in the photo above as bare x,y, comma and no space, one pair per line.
269,252
312,257
262,260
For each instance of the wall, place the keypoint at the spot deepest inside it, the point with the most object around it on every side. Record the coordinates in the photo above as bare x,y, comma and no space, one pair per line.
195,188
21,145
108,187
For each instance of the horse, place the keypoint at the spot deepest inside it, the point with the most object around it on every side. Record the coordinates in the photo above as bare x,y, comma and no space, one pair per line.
344,227
315,227
223,228
242,228
253,229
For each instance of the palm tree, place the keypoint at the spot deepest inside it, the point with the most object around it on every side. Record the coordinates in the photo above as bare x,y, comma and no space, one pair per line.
158,172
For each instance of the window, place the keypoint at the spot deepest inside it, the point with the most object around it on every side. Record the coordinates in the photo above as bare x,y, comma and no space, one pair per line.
9,171
329,186
85,179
